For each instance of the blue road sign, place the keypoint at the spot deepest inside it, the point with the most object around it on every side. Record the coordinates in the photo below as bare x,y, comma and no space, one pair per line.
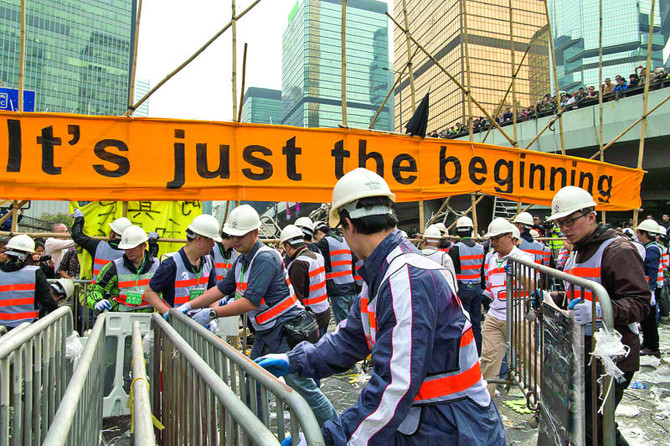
9,99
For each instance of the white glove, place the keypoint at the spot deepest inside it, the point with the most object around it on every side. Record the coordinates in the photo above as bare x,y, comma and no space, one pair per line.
202,317
212,326
183,308
583,311
103,305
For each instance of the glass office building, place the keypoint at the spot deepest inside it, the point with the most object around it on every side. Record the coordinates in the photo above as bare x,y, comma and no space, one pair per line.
311,64
625,38
78,53
261,106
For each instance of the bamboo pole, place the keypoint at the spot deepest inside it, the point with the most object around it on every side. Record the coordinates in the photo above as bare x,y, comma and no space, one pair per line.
409,60
422,218
519,210
434,217
395,84
553,65
5,217
233,20
15,216
647,81
473,201
468,210
189,60
102,237
133,69
454,80
468,78
511,38
556,117
244,77
343,38
22,55
124,207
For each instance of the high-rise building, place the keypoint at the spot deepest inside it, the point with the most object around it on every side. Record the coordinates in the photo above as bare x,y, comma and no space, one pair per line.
474,32
624,39
142,87
78,53
261,106
311,64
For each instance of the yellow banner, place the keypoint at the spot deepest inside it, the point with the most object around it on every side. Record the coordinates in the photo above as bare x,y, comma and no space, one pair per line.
168,218
59,156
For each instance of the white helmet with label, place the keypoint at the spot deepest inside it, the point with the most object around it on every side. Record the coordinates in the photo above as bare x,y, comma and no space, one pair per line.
242,220
64,286
432,232
568,200
207,226
132,237
20,245
464,223
524,218
291,232
500,226
354,185
119,225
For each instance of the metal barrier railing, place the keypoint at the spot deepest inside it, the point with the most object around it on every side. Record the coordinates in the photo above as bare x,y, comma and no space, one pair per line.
537,347
33,376
83,316
251,382
193,403
78,420
141,401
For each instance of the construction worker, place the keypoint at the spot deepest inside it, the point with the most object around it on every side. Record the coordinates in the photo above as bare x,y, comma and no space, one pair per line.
425,385
432,240
445,243
524,223
646,233
494,328
602,255
662,282
468,260
24,289
553,231
307,227
307,273
223,255
262,289
120,284
190,271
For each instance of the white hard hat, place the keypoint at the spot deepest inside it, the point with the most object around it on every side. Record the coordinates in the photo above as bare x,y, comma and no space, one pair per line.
524,218
649,226
354,185
207,226
443,229
535,233
290,232
305,223
515,233
629,232
464,222
500,226
320,225
133,237
432,232
662,231
19,245
568,200
64,286
242,220
119,225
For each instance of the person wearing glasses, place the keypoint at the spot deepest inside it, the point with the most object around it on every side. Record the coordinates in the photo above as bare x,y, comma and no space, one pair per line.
603,255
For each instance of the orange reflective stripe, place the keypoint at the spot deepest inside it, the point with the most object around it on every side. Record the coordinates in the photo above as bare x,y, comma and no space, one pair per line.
130,283
357,267
317,271
340,263
339,274
467,276
467,337
222,265
473,257
15,316
358,278
449,385
102,262
339,252
190,282
276,310
241,285
586,272
18,287
471,266
317,286
315,300
19,301
178,300
121,298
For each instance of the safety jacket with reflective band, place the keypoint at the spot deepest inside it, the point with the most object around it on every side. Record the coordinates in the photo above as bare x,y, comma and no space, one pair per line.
357,278
222,264
496,282
17,296
104,253
340,262
654,245
662,266
317,301
562,257
472,259
185,280
265,316
540,252
129,281
467,381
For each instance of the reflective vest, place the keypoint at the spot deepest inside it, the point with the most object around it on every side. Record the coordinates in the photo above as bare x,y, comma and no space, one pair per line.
265,316
562,258
496,284
340,262
357,278
104,253
222,264
132,285
188,285
472,259
540,252
660,264
17,296
317,301
464,382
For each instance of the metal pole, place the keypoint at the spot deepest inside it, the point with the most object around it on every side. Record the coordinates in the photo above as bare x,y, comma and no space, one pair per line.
343,39
22,54
409,60
133,70
144,429
553,64
233,20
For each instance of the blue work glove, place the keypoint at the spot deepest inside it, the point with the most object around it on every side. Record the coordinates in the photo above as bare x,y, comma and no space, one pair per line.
165,316
212,326
202,317
184,308
583,311
154,235
536,298
508,268
77,213
275,363
287,441
103,305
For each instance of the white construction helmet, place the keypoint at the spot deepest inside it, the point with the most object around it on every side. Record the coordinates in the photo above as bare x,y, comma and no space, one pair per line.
207,226
119,225
242,220
499,226
354,185
20,245
662,231
535,234
291,232
629,232
516,233
524,218
649,226
320,225
432,232
443,229
64,286
305,223
464,223
568,200
133,237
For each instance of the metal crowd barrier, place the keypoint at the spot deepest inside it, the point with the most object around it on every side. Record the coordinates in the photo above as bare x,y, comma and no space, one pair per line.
251,382
78,420
141,401
33,376
546,358
193,403
83,316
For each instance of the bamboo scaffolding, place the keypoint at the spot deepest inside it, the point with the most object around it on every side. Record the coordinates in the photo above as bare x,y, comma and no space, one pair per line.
100,237
15,216
511,37
468,210
553,65
188,61
556,117
343,38
454,80
519,210
439,211
473,206
133,69
244,78
9,214
22,55
233,79
409,61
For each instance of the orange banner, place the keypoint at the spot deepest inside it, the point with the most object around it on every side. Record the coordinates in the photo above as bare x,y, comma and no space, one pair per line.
74,157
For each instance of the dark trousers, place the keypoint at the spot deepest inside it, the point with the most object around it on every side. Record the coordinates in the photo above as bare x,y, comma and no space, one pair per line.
618,395
662,299
650,330
471,297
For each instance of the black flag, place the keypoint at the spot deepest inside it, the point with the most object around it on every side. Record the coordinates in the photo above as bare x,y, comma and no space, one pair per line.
417,124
